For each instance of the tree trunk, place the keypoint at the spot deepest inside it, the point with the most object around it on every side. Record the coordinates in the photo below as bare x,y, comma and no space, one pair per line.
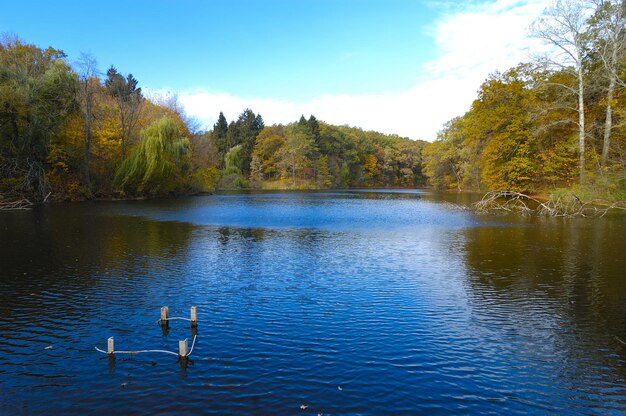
458,178
36,172
87,150
581,124
123,148
123,128
608,122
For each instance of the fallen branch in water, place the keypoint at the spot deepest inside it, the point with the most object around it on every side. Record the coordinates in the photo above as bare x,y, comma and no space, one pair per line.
19,204
507,201
567,205
455,207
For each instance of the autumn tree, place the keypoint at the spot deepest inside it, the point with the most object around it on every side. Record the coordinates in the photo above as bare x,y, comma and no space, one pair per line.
89,85
608,46
503,117
37,93
563,27
441,165
128,99
323,176
442,158
266,151
370,166
409,162
295,154
390,165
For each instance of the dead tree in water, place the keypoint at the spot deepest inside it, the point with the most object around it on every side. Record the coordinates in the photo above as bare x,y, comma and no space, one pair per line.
568,205
13,205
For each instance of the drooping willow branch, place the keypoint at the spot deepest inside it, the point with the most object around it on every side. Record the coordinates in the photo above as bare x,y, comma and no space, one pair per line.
567,205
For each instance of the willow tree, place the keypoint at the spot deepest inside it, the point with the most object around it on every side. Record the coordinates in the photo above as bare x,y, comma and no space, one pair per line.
158,164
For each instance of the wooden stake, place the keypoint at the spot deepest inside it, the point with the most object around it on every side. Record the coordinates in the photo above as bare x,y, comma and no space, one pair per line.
164,315
110,346
194,316
182,348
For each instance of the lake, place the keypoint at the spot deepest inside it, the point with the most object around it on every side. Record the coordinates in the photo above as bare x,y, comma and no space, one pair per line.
339,302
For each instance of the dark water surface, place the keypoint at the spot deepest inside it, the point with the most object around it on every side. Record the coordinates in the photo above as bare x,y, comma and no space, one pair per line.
339,302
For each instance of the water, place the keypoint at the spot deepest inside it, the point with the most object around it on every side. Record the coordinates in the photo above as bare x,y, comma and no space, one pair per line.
360,302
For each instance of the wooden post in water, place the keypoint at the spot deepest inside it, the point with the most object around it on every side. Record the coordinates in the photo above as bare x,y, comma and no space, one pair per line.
164,315
182,348
110,346
194,316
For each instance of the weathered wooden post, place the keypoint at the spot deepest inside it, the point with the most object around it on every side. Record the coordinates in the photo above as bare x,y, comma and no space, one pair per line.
194,316
165,315
110,346
182,348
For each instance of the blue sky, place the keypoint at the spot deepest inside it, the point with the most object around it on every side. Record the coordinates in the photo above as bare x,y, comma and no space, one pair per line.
346,61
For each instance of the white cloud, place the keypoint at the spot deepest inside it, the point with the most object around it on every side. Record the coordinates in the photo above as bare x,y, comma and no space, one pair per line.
472,42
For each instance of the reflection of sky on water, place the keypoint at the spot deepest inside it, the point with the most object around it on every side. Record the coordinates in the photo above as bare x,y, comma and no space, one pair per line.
390,211
407,304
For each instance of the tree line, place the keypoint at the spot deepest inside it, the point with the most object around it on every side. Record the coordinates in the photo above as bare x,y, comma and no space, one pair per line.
70,132
558,121
310,154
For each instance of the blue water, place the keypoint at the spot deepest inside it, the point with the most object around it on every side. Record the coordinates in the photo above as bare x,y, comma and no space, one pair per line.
352,302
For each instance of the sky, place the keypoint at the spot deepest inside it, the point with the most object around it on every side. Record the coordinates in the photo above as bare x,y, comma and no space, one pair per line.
396,66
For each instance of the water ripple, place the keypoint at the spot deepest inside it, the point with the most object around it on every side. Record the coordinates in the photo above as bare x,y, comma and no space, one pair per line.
345,303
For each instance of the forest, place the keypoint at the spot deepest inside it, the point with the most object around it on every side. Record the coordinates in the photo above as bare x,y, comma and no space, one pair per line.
70,132
555,122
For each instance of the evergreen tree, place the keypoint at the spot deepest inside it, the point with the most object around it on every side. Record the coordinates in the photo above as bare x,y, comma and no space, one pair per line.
220,134
314,125
243,132
232,136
